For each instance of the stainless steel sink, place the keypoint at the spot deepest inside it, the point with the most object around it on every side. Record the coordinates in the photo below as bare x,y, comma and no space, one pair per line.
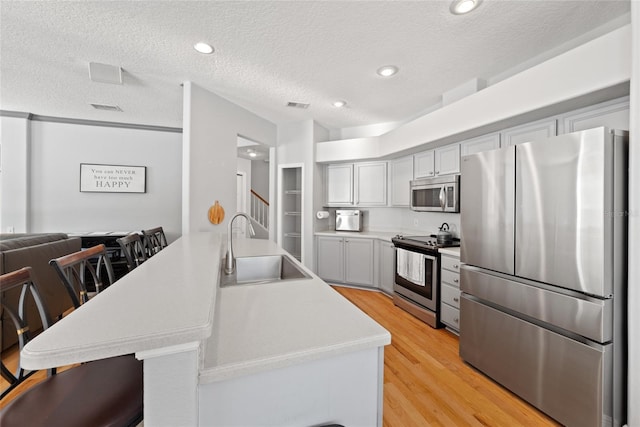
262,269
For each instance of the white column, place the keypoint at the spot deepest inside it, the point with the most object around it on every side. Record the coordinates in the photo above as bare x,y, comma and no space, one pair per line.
14,178
171,386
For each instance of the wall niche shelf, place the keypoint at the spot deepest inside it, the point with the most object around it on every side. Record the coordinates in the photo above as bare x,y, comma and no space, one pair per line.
290,209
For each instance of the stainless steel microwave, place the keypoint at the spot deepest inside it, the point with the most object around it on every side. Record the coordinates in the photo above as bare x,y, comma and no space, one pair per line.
441,194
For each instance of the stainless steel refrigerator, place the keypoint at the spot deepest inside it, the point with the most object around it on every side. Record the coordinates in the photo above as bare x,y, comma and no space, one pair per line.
543,243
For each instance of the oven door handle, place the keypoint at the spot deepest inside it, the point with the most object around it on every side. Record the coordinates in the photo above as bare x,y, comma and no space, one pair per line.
434,273
443,197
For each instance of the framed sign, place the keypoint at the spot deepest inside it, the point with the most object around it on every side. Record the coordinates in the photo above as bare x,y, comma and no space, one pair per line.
112,178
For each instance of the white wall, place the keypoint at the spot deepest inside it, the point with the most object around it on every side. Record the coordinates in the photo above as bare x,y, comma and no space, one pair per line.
260,177
41,170
211,126
14,174
56,203
633,398
245,166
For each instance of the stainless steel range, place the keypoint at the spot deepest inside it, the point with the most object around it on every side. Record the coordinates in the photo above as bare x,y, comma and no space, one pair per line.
417,278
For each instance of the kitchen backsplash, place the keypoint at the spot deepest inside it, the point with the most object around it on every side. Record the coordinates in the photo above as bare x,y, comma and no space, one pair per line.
400,220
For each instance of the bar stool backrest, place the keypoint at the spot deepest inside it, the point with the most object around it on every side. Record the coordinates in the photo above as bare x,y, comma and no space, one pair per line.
82,268
105,392
20,279
155,240
134,251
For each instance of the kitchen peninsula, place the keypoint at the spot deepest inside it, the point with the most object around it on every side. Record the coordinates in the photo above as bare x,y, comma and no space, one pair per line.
293,352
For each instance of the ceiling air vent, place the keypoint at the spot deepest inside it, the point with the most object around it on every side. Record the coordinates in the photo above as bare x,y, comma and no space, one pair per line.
105,73
297,105
106,107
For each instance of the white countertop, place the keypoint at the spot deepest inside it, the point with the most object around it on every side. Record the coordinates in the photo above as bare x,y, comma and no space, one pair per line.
166,301
174,298
450,251
267,326
383,235
369,234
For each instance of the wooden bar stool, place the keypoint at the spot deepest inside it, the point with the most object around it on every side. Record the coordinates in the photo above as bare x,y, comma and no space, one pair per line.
106,392
73,269
133,249
154,240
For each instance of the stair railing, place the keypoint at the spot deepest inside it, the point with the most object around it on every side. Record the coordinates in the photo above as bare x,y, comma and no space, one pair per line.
259,209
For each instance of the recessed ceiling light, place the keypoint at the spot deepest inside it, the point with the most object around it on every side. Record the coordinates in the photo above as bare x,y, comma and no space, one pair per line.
387,70
203,47
252,154
339,104
460,7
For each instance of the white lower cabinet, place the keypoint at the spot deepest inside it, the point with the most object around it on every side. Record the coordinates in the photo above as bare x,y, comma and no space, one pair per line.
387,263
330,258
345,260
450,292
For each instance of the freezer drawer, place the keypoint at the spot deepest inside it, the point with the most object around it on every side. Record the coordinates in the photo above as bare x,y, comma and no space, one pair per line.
573,312
568,380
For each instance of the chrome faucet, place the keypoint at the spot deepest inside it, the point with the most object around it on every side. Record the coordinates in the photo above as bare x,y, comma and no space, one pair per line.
230,261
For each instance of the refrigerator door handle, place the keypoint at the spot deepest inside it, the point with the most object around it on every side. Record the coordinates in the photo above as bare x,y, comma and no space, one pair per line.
443,197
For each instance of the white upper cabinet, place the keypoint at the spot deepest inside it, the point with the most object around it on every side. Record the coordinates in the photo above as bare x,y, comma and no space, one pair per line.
371,184
360,184
441,161
479,144
530,132
447,160
613,114
400,174
340,185
423,164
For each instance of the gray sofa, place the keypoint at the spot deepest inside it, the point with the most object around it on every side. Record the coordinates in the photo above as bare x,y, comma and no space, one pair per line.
35,251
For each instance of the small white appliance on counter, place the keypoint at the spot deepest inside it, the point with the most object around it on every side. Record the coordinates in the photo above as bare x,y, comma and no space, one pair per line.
348,220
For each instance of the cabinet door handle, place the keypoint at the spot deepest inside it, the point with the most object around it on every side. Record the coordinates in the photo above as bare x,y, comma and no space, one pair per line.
455,265
456,299
455,280
455,320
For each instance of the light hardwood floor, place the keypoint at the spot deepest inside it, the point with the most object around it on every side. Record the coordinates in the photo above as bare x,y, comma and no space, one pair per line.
425,381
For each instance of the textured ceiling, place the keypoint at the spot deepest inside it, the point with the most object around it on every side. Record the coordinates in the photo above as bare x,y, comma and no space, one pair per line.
271,52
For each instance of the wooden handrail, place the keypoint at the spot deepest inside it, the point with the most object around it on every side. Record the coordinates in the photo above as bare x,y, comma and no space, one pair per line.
259,197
